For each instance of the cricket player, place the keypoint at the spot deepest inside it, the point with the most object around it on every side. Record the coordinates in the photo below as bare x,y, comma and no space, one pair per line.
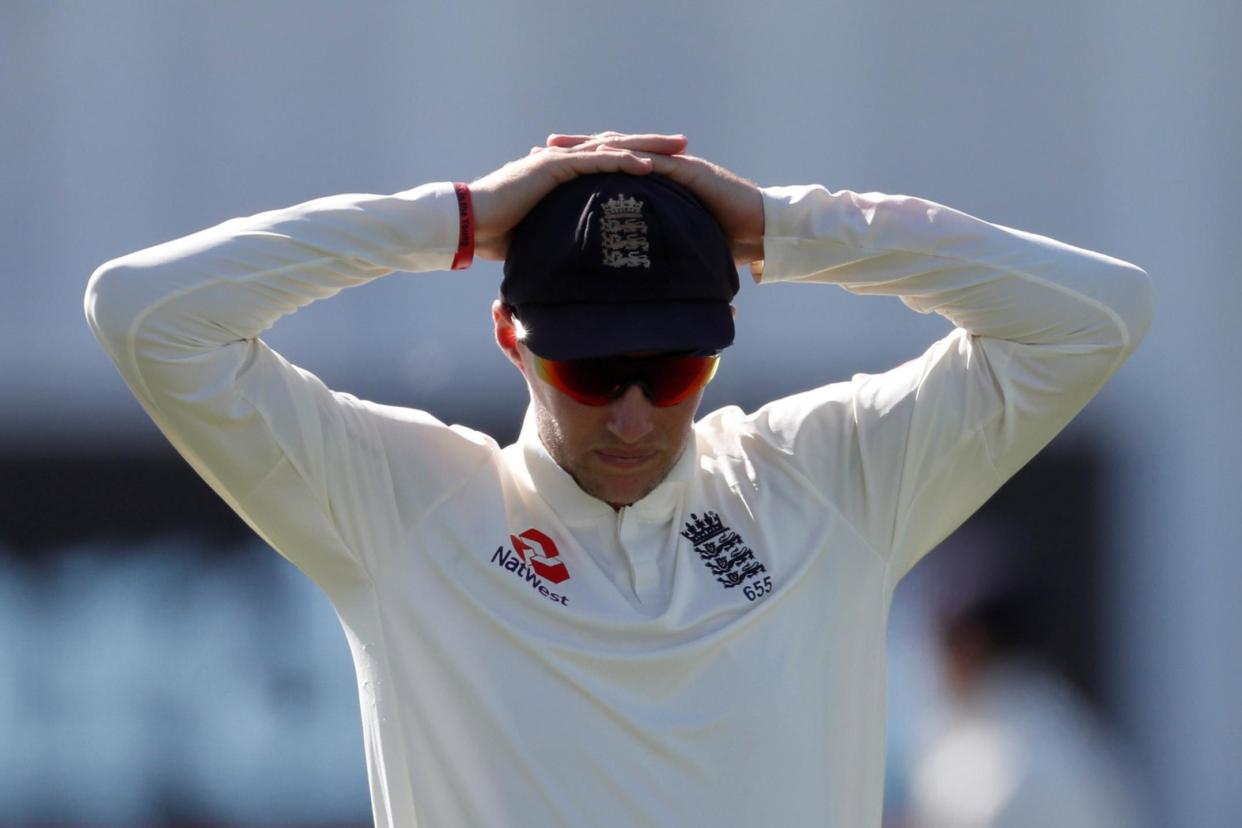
630,616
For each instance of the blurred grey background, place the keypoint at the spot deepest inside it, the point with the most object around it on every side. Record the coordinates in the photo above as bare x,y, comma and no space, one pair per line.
159,667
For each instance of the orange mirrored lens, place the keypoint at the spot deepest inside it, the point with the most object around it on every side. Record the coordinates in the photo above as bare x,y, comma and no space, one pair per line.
666,380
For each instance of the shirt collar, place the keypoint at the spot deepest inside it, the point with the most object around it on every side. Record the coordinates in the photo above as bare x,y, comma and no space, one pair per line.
560,491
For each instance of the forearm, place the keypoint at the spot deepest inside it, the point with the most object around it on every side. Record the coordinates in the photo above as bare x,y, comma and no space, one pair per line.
990,280
233,281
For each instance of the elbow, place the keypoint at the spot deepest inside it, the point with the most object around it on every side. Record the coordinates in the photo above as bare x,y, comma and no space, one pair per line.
97,303
107,310
1134,301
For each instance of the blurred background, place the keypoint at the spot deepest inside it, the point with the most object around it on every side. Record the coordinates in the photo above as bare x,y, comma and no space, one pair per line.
1069,658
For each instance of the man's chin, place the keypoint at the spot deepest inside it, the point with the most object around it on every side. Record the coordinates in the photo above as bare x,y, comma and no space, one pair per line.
625,491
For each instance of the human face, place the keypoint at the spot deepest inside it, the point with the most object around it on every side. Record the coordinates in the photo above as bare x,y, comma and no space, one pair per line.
617,452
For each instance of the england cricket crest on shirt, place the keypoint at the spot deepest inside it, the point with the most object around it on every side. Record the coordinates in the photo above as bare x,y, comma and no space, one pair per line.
623,233
727,556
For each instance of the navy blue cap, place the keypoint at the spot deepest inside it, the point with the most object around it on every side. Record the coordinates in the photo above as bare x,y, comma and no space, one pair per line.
614,263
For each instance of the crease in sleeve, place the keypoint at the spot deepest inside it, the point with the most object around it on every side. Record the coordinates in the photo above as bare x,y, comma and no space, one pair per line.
902,517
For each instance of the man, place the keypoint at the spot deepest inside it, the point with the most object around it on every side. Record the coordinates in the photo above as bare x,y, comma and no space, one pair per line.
1013,743
624,618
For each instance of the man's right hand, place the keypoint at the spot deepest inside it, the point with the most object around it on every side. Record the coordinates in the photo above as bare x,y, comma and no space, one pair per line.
504,197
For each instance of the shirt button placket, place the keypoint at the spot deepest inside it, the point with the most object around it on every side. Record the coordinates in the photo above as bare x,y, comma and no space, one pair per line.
641,547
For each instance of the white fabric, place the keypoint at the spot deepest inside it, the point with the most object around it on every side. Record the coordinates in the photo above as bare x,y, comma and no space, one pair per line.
641,690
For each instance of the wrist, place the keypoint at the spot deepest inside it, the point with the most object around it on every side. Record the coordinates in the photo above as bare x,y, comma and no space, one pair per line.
464,256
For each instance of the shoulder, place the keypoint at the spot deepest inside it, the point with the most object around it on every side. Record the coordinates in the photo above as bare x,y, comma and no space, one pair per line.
777,424
401,429
828,438
422,456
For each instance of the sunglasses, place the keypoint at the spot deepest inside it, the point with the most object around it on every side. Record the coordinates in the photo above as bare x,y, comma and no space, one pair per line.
666,379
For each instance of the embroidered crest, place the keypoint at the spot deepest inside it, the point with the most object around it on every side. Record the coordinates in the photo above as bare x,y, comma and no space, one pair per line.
624,233
726,555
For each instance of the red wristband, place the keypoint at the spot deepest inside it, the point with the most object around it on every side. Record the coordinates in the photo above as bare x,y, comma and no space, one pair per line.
464,256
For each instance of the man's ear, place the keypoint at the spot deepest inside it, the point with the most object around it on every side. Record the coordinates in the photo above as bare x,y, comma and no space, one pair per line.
506,333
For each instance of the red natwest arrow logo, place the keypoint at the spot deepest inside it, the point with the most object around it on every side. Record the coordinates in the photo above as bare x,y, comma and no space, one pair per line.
546,562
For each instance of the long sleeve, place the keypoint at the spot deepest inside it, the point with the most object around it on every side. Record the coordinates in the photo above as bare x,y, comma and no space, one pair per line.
907,455
307,468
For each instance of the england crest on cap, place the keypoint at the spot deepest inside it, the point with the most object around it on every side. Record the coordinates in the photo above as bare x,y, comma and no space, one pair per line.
623,235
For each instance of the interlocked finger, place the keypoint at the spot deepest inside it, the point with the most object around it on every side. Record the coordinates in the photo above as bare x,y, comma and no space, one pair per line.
598,159
643,142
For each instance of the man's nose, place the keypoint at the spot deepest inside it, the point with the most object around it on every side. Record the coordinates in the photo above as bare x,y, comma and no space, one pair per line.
631,417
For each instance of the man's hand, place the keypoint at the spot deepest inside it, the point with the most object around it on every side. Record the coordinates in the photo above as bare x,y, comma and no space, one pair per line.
735,202
504,197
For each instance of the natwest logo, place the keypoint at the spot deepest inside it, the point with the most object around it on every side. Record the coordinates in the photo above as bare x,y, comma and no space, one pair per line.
535,559
543,557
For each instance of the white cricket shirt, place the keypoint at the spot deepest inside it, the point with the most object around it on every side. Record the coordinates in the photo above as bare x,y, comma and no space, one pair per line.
713,654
